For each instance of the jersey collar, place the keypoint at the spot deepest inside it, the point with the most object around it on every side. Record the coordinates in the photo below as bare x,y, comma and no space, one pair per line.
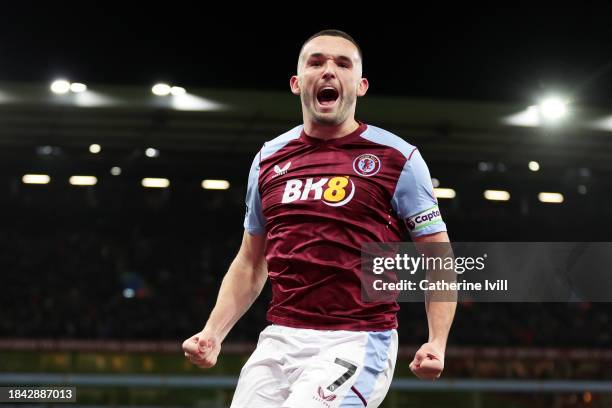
337,141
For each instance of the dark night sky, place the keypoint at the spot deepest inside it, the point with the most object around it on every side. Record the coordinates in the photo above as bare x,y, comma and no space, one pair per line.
489,53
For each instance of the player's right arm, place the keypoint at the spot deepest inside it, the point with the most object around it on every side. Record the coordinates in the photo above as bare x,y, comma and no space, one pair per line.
241,285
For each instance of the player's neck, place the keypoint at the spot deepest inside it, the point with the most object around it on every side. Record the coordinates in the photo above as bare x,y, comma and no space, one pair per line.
327,132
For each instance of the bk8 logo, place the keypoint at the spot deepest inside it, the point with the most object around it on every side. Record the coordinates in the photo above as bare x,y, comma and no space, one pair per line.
334,192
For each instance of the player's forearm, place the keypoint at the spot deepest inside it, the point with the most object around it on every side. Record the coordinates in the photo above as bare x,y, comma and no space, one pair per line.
440,317
441,305
241,285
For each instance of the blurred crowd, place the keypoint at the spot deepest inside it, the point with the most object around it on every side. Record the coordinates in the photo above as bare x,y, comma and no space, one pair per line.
149,265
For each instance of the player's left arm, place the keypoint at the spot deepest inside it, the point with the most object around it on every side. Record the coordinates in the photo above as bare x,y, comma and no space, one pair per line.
428,361
415,202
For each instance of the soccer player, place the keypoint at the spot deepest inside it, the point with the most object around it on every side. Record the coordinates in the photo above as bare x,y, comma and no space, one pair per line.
315,194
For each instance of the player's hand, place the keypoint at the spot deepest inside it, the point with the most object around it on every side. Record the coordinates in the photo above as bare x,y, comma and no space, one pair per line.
202,349
428,362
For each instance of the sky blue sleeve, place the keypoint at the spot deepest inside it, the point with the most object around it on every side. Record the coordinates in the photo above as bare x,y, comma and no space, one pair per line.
254,220
414,199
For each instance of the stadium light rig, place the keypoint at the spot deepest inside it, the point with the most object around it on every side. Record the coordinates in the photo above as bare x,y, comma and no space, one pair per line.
215,184
83,180
555,198
534,166
550,111
497,195
444,193
178,90
36,179
152,152
151,182
78,87
62,86
552,108
162,89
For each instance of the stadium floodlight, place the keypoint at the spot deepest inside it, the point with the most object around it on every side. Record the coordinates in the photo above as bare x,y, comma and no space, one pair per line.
83,180
534,166
444,193
115,171
582,189
78,87
161,89
552,108
128,293
215,184
151,182
497,195
60,86
36,179
178,90
152,152
556,198
95,148
435,182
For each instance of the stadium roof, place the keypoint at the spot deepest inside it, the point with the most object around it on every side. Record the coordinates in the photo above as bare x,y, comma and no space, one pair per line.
234,122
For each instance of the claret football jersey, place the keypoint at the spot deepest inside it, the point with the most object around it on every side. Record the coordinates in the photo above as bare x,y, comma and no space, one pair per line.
317,201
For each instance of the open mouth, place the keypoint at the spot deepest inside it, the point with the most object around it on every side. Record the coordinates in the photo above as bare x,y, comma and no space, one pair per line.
327,96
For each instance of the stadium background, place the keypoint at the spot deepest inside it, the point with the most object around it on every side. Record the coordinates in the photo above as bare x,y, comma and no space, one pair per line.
102,283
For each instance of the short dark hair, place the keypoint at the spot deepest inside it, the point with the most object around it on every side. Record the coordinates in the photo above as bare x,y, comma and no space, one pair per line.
333,33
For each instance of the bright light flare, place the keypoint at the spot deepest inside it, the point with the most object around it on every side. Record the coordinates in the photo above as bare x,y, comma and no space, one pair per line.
83,180
152,152
178,90
78,87
150,182
553,108
497,195
556,198
534,166
36,179
444,193
60,86
215,184
161,89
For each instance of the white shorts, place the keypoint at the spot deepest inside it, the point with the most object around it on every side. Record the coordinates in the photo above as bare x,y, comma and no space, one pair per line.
304,368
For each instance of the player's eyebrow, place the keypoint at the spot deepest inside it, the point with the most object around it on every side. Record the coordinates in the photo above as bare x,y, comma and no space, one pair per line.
342,58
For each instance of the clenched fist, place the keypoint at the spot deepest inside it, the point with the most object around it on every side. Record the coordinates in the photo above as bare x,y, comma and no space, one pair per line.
428,362
202,349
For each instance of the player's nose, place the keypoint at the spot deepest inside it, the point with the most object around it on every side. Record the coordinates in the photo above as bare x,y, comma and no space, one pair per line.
329,72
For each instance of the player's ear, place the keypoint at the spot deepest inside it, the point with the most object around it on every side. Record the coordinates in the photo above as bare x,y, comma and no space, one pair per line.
294,84
363,86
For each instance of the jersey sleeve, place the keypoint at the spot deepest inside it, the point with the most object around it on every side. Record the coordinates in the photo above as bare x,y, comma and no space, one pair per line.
254,220
414,200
